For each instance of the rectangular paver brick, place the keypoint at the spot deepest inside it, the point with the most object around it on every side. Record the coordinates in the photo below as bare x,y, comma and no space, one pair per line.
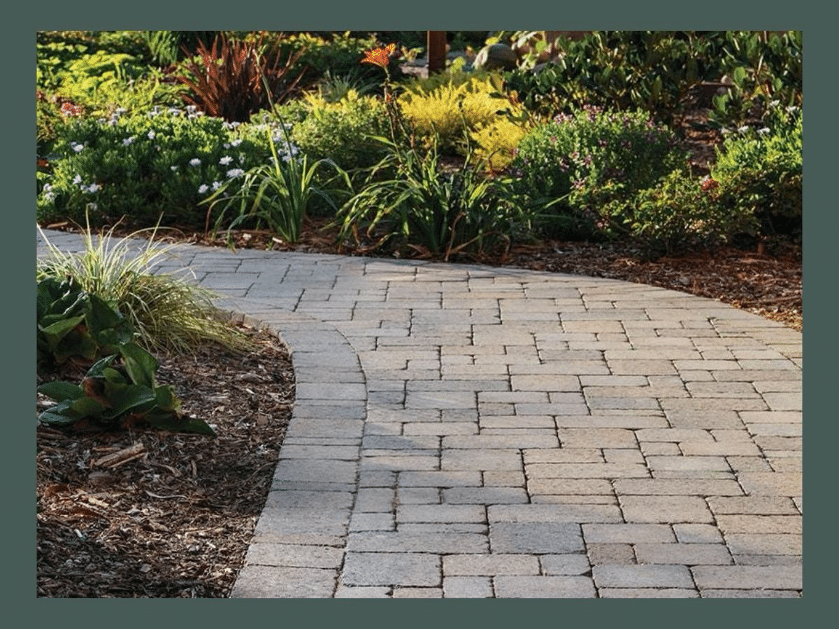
490,565
536,537
284,582
485,495
642,576
665,509
294,555
417,541
755,577
756,505
678,487
760,523
586,470
467,587
687,554
398,569
544,587
764,544
480,459
772,483
628,533
441,513
579,513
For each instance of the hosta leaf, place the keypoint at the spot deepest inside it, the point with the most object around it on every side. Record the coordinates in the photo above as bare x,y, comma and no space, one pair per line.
59,414
132,398
56,331
140,365
87,407
166,398
60,390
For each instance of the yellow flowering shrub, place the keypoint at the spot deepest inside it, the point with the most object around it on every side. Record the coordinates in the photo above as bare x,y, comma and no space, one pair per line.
497,142
455,109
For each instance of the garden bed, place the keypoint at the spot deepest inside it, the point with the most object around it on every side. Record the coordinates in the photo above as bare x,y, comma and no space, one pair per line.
153,514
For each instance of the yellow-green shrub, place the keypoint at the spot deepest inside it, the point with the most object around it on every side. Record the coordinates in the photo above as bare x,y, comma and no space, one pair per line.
454,109
497,142
341,131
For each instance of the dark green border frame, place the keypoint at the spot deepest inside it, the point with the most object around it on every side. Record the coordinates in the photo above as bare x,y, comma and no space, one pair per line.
18,575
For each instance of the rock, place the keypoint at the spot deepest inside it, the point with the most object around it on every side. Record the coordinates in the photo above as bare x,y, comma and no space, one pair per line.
496,57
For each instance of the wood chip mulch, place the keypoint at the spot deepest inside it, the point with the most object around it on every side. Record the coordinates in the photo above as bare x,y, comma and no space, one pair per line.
152,514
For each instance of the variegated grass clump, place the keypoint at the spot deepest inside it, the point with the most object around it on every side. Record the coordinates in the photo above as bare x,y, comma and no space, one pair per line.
167,311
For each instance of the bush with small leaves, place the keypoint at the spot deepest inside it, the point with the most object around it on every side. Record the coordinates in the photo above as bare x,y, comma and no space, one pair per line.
143,169
762,169
585,167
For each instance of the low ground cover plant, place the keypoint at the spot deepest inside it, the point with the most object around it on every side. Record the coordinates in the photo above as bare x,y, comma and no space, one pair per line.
142,168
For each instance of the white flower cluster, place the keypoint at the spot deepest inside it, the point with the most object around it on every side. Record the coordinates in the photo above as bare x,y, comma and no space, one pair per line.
77,180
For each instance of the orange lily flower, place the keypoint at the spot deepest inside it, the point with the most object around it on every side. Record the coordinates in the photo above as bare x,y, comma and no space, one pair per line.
379,56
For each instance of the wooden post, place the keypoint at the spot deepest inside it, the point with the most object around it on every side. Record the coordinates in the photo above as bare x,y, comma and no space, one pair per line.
436,51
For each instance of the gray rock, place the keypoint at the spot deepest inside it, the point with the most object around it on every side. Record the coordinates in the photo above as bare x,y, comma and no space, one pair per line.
496,57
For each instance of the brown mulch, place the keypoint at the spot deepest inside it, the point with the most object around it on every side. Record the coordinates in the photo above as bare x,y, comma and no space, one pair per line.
153,514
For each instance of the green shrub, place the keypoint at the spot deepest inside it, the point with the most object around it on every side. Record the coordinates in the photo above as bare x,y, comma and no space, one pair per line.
426,210
343,131
762,171
142,168
651,71
654,71
588,165
681,210
765,69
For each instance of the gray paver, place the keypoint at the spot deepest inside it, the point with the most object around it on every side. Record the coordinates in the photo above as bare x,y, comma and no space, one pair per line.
404,569
463,431
544,587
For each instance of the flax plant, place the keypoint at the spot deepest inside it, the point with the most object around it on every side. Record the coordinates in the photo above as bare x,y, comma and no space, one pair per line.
276,194
167,311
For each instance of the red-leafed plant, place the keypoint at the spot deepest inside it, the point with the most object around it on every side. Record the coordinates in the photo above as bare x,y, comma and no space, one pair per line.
235,78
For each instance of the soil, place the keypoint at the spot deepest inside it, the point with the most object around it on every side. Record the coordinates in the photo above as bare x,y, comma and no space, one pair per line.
150,514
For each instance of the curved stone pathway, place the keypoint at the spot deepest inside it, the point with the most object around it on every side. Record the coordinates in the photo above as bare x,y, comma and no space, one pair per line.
469,431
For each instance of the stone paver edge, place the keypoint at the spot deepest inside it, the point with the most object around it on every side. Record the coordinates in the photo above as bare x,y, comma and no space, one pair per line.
297,331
